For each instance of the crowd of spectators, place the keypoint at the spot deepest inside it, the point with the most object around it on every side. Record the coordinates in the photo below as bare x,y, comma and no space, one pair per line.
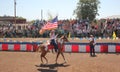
100,28
76,28
10,31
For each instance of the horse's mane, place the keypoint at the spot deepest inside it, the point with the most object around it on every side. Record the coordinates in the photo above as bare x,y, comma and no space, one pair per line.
65,38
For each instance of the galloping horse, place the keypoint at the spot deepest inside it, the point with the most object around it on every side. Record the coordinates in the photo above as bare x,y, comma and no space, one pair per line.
43,48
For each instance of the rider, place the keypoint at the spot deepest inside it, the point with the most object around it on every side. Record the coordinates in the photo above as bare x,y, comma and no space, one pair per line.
53,39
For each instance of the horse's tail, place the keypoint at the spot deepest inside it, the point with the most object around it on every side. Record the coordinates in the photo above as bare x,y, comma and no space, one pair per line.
38,49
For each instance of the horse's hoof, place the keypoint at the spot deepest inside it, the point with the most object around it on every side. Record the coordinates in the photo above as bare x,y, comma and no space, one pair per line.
65,62
41,64
46,62
56,62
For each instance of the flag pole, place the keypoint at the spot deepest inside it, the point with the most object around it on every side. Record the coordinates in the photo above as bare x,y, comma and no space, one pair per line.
41,14
15,12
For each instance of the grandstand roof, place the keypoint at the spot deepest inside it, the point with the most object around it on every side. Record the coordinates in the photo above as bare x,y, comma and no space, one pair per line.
112,17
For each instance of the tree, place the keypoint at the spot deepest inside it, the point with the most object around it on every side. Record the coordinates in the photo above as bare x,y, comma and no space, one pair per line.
87,9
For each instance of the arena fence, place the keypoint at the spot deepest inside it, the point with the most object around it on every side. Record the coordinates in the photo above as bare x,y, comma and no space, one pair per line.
68,47
99,47
18,46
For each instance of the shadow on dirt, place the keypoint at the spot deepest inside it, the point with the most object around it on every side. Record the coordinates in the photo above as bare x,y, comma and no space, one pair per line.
50,67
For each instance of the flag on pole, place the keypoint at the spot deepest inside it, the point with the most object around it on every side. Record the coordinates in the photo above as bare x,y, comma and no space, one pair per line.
69,35
114,36
50,25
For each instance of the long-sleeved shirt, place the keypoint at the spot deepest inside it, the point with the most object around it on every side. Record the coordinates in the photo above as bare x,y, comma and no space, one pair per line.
53,36
92,41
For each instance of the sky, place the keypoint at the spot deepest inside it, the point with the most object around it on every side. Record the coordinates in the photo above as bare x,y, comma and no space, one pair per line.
31,9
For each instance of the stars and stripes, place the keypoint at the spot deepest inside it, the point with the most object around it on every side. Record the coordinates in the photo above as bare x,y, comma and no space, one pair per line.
53,24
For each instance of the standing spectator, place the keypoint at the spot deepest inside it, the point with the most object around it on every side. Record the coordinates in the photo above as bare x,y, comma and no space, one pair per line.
92,45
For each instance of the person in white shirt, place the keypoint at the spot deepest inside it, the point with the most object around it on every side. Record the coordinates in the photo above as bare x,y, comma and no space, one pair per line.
53,40
92,43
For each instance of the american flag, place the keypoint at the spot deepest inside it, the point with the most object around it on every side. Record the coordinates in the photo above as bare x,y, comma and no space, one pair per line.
51,24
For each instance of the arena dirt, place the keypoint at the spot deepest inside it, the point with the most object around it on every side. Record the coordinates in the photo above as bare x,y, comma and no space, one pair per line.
76,62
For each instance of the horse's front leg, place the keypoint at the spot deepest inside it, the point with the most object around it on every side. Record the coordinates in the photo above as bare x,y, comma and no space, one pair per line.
57,56
41,59
63,57
46,60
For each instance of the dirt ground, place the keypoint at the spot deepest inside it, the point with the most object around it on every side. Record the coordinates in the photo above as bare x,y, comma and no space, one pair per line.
76,62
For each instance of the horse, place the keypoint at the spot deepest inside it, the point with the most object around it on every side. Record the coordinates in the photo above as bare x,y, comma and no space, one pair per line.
43,48
61,43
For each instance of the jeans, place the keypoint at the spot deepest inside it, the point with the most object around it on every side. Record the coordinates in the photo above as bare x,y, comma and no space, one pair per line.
54,44
92,50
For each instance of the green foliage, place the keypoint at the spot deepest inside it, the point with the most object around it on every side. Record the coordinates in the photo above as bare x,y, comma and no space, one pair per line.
87,9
